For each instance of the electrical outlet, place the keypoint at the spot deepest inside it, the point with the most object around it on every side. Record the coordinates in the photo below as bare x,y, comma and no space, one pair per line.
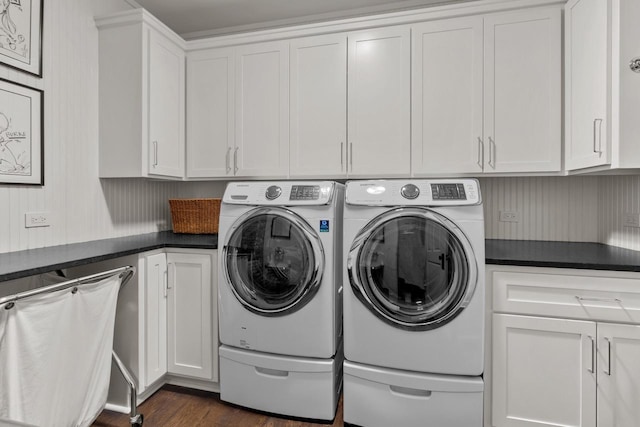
631,220
36,219
509,216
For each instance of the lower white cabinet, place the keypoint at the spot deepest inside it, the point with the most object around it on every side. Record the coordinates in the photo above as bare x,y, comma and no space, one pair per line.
190,315
178,317
565,348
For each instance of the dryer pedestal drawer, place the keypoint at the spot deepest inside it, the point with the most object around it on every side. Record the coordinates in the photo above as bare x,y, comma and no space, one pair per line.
285,385
380,397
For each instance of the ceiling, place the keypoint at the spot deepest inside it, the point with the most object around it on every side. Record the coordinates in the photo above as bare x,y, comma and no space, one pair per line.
202,18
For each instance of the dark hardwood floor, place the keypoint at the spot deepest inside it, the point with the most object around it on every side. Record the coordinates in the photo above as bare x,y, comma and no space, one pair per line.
173,406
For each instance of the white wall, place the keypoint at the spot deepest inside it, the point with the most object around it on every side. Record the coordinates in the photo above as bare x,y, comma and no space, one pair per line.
618,195
82,207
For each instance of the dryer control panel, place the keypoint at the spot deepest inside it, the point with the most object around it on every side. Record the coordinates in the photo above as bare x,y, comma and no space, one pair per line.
417,192
280,193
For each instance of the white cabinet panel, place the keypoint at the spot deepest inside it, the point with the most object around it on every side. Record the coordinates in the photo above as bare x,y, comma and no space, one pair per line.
447,96
190,317
522,113
155,318
318,106
166,107
262,110
543,372
379,102
618,374
210,113
586,66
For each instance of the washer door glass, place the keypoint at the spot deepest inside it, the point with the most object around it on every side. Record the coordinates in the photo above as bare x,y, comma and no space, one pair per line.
273,260
413,268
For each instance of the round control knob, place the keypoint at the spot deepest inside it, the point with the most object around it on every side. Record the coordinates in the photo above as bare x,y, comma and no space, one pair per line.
273,192
410,191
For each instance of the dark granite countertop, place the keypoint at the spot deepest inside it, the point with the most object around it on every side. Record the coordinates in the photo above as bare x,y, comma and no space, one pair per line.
581,255
533,253
14,265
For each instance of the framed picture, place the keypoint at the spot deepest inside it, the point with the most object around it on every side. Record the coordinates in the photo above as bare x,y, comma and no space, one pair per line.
21,134
21,35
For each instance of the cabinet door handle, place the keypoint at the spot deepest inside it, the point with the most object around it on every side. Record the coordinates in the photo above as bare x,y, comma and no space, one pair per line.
174,276
492,153
480,153
155,153
166,283
593,355
616,300
235,160
608,370
228,160
351,155
341,155
597,123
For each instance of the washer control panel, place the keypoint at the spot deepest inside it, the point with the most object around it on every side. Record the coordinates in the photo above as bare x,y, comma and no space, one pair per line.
280,193
448,192
415,192
305,192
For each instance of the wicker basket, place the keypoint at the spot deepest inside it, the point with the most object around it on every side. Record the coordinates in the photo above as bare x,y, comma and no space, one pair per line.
195,216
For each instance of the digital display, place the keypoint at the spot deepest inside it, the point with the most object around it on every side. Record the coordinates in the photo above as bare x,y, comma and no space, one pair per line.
448,192
305,192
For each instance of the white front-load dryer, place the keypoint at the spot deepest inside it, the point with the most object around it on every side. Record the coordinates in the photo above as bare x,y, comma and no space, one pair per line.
414,276
280,297
413,303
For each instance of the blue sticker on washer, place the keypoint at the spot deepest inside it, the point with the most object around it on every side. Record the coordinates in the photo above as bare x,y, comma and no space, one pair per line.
324,225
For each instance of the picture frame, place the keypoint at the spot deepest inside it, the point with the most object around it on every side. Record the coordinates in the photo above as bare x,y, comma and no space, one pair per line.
21,35
21,134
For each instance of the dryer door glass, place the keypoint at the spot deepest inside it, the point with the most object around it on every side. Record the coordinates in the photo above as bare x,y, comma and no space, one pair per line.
273,261
413,268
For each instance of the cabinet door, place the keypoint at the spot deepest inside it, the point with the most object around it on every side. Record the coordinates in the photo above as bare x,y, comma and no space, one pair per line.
210,107
166,107
318,106
447,97
262,110
543,372
190,318
155,318
523,71
586,38
618,375
379,102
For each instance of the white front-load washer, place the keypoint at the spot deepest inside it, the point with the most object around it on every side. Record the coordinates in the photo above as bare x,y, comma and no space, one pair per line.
413,301
280,296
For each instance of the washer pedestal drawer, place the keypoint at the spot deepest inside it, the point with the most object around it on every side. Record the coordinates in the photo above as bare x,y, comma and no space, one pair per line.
381,397
285,385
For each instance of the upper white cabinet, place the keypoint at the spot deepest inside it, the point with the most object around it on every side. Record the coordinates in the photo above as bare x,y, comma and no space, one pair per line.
447,96
318,106
141,97
210,113
379,103
602,92
486,93
262,110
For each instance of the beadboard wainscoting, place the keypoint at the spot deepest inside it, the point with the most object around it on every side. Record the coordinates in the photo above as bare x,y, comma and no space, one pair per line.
550,208
617,196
